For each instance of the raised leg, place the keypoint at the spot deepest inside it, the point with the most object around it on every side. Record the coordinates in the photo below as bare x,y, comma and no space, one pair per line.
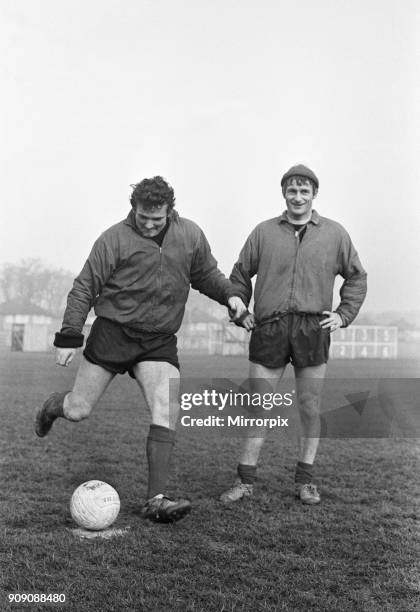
76,405
89,386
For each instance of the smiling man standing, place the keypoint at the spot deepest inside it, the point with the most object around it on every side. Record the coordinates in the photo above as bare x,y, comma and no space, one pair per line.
137,277
296,258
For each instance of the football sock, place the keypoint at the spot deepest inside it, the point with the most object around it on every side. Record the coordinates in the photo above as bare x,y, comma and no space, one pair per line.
304,473
247,473
160,442
55,408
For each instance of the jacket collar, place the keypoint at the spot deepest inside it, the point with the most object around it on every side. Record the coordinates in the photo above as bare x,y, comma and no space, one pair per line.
315,218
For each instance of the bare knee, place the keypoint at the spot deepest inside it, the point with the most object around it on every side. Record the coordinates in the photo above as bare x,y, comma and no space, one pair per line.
164,415
76,407
309,406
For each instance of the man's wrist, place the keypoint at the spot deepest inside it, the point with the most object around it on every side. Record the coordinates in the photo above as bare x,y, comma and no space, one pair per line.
240,320
232,293
343,321
62,340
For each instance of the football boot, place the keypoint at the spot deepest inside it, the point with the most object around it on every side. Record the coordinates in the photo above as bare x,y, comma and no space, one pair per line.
307,493
51,409
237,491
162,509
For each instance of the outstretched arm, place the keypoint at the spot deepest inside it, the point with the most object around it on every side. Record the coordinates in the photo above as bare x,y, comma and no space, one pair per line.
208,279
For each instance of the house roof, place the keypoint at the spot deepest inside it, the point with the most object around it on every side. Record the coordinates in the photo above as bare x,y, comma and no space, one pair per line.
22,306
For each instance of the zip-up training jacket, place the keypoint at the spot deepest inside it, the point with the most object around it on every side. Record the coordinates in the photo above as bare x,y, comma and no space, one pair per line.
129,279
298,276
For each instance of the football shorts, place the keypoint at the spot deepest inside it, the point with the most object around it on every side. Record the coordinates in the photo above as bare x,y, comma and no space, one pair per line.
291,337
118,348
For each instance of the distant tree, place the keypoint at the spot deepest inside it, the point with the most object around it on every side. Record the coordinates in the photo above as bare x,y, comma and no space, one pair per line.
366,318
403,324
31,280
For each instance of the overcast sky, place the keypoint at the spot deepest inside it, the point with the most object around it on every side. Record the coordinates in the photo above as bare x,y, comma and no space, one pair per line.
220,97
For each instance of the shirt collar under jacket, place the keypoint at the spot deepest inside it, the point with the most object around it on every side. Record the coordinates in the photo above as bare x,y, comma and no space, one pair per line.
315,218
131,218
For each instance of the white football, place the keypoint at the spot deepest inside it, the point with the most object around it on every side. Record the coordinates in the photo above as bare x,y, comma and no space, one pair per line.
94,505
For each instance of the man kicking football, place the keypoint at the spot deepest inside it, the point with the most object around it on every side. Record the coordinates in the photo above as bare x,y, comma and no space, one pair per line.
137,278
296,258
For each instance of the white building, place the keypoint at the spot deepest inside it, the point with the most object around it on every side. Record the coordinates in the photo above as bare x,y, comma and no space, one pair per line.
24,326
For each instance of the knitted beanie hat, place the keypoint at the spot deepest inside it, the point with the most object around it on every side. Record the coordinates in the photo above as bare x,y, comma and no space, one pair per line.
300,170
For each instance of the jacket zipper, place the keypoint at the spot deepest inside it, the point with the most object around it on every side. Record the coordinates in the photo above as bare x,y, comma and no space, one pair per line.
160,269
159,284
292,291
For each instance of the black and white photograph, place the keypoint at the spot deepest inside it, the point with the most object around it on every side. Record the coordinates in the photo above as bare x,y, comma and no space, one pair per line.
210,305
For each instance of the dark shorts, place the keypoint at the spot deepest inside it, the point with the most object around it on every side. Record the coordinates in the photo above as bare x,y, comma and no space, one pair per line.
297,338
118,348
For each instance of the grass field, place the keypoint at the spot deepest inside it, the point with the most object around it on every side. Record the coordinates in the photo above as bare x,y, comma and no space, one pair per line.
358,550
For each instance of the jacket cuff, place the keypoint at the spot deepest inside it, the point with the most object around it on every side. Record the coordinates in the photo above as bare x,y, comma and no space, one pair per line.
66,341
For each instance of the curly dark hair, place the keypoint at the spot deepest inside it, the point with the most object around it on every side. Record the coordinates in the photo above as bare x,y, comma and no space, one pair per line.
153,193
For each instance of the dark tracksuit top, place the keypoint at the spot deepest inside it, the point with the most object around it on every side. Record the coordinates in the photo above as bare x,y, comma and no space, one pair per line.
133,281
298,275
